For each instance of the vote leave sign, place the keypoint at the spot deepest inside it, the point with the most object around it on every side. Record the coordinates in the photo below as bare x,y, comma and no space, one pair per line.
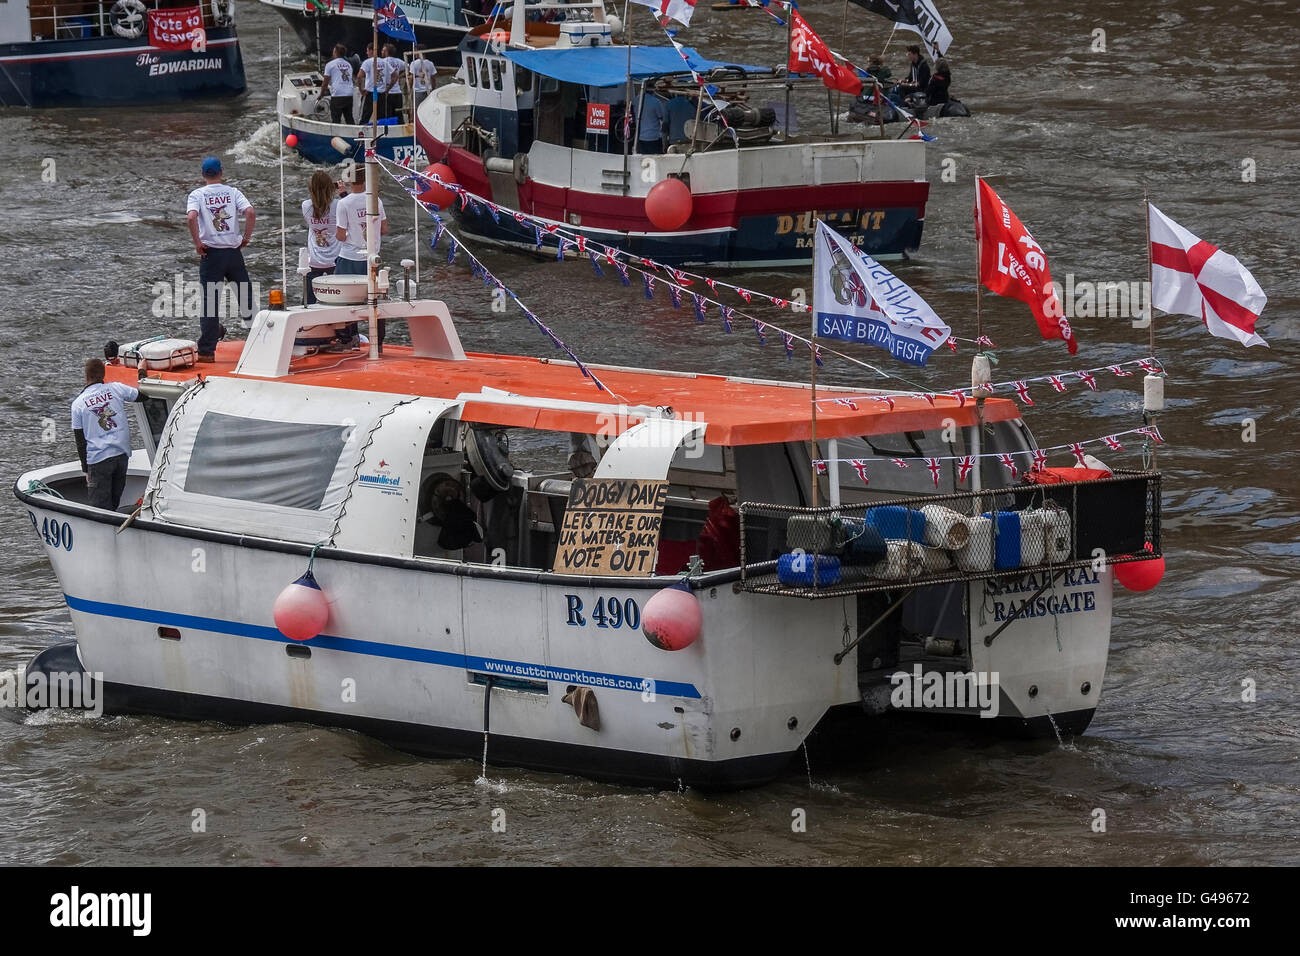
176,29
598,117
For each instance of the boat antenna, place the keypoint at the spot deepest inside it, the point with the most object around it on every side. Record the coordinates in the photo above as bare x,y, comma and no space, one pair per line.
812,351
979,299
284,248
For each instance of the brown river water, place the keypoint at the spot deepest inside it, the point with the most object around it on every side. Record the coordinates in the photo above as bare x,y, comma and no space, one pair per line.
1191,99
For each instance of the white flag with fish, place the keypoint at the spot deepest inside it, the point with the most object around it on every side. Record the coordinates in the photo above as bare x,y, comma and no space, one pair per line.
856,299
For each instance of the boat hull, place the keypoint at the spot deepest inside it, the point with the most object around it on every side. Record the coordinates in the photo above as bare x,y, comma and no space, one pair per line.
316,142
354,28
111,71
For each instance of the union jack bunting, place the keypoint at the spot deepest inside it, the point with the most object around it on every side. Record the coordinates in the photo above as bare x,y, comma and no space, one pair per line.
1040,460
961,398
451,250
1056,383
847,403
817,354
1088,379
788,341
952,343
648,281
928,397
900,463
713,286
860,466
595,263
759,328
1152,432
622,271
681,278
1009,464
743,293
727,313
1149,366
779,303
1113,443
935,468
887,399
820,466
1022,389
1118,371
964,466
675,293
1076,449
699,301
985,340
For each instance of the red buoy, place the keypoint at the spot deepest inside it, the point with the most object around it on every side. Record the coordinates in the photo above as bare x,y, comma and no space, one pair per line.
432,192
1140,575
301,610
668,204
291,140
672,619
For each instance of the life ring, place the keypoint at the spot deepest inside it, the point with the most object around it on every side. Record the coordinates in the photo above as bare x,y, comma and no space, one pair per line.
127,18
489,457
223,12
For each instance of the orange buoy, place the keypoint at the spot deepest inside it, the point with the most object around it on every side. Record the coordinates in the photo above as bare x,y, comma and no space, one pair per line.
432,192
668,204
1140,575
672,619
301,610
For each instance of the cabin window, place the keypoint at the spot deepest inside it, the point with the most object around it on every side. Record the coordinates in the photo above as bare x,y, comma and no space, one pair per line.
483,75
913,480
471,71
496,75
523,80
289,464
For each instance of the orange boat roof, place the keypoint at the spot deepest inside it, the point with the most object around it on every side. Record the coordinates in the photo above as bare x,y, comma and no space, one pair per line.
738,411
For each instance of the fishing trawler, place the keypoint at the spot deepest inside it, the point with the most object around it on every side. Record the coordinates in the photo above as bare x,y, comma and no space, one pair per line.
303,109
117,53
462,552
320,24
535,120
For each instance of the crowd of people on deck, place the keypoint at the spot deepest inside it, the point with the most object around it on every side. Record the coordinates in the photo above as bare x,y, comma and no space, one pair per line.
382,80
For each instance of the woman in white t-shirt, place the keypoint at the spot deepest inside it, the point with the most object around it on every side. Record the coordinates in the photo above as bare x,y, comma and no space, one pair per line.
320,211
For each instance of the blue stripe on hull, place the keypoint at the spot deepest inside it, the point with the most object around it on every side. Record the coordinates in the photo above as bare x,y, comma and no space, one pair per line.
108,71
778,241
485,665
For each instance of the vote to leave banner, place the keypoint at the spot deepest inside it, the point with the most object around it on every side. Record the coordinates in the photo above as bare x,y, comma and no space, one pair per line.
598,118
175,29
856,299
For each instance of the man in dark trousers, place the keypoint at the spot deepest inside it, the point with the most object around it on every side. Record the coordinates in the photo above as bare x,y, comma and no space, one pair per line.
213,211
103,435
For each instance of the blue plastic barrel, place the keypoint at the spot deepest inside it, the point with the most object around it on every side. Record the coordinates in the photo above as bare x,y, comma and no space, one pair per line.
798,569
897,523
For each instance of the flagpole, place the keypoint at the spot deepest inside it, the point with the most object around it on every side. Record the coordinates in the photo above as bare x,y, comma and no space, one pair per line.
979,299
812,348
1151,312
372,196
629,131
789,83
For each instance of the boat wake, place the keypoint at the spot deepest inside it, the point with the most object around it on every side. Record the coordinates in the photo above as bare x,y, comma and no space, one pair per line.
259,148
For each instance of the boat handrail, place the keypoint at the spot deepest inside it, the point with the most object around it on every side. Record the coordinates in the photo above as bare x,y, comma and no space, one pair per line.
87,24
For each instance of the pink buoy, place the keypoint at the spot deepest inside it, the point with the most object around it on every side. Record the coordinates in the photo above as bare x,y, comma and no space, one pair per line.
668,204
436,193
291,140
1140,575
301,610
672,619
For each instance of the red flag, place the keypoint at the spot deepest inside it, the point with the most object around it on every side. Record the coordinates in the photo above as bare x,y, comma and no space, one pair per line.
1012,263
809,54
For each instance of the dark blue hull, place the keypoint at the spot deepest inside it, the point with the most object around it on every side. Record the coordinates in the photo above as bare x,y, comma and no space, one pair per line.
319,147
110,71
757,242
354,29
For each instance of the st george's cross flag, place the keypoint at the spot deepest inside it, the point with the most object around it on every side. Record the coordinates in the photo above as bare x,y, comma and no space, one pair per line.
1191,277
679,10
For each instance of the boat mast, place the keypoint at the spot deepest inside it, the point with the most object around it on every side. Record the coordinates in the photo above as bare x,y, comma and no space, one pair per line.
627,98
1151,321
372,199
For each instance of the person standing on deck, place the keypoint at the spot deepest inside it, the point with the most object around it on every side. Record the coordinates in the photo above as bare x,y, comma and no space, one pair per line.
351,233
320,211
212,211
103,435
422,78
650,126
371,76
339,73
394,71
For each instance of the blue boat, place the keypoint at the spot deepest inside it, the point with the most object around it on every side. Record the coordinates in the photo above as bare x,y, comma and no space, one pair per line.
100,54
303,111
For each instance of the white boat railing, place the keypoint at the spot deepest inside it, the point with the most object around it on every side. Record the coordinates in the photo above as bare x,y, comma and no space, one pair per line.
91,21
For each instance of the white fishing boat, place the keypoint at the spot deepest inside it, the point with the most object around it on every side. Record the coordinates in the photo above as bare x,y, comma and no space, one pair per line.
505,560
303,110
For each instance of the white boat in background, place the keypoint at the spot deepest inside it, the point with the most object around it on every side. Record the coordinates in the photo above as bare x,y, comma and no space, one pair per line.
303,110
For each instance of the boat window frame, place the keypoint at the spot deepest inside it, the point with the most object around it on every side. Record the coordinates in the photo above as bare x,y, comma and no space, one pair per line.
471,71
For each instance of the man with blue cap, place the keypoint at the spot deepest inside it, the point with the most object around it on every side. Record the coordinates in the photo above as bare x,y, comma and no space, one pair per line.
213,211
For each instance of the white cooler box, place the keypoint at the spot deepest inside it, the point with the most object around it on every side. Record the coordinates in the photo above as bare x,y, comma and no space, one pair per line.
159,354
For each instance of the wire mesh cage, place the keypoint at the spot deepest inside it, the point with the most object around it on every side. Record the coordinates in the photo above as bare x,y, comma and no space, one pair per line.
1000,532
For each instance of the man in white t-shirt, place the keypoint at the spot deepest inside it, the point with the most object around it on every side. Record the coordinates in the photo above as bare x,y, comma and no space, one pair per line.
394,72
422,77
103,436
351,214
213,211
372,75
338,72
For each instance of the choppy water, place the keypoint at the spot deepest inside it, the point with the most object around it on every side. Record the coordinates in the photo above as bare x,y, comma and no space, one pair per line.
1186,92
